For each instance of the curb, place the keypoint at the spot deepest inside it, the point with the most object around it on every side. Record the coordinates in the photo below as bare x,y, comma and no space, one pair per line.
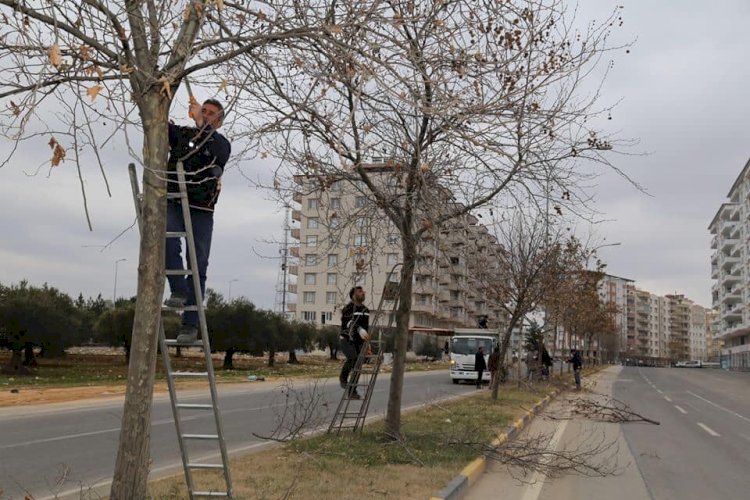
460,484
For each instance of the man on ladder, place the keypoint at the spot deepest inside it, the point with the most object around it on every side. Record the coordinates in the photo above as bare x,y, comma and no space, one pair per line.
355,321
204,153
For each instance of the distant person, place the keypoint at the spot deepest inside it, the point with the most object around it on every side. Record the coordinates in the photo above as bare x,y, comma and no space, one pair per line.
483,322
493,364
546,363
479,365
355,321
446,350
577,362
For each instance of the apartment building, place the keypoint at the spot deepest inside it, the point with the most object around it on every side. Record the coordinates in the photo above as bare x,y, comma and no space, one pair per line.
613,292
345,241
730,228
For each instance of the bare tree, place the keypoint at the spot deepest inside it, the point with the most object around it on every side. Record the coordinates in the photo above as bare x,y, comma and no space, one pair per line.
82,75
460,101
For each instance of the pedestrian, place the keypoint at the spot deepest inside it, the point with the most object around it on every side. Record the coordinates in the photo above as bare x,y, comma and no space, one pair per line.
479,365
493,364
546,363
204,152
577,362
355,321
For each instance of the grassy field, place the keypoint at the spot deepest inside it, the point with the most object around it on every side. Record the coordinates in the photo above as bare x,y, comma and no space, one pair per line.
108,367
438,442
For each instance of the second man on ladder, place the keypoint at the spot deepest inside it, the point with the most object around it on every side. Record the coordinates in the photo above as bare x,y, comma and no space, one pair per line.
355,321
204,153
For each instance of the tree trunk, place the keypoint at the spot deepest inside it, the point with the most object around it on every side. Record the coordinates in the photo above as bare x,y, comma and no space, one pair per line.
393,413
15,365
28,355
271,358
228,363
503,352
133,460
293,358
333,351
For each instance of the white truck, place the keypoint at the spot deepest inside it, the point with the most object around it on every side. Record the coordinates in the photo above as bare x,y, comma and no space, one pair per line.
463,347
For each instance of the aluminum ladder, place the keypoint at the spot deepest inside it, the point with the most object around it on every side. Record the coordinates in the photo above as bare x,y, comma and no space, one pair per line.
178,408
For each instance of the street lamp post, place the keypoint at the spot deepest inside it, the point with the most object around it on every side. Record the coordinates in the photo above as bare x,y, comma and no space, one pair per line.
229,296
114,291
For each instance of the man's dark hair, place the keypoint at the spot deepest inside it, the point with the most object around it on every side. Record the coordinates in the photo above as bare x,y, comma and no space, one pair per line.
354,289
216,103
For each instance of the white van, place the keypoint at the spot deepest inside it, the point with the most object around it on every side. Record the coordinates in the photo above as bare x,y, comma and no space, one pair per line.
463,348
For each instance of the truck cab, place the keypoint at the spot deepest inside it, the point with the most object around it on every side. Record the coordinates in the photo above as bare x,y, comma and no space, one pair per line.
464,345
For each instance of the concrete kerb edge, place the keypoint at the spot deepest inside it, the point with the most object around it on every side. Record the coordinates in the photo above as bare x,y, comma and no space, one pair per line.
469,475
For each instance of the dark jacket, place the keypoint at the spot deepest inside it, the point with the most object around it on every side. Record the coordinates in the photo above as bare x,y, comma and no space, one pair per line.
354,317
207,153
479,363
576,360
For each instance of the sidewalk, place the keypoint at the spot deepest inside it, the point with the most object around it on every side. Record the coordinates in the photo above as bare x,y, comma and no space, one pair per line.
510,483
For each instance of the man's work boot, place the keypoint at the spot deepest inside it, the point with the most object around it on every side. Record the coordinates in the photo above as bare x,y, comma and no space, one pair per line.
354,395
342,383
188,335
176,300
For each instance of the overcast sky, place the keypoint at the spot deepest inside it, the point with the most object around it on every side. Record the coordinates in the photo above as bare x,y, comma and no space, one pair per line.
684,96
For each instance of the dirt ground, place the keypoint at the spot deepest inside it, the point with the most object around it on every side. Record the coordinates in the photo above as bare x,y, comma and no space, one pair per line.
32,396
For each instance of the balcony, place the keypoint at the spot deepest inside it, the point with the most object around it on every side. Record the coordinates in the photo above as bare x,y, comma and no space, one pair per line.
296,215
297,197
291,307
291,288
729,243
294,251
294,270
294,233
424,308
714,242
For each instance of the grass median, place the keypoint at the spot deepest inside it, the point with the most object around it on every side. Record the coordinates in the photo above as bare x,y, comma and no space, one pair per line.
438,441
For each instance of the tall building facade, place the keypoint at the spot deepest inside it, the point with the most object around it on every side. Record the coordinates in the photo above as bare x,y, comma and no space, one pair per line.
730,228
345,241
613,292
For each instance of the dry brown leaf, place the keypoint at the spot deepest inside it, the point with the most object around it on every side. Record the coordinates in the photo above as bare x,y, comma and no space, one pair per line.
92,92
85,52
264,155
220,4
99,71
52,142
55,58
334,28
16,109
58,152
223,86
276,184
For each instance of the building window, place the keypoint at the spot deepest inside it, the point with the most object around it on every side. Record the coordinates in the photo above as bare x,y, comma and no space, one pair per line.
308,298
313,223
393,277
360,184
360,279
360,201
361,221
333,260
360,240
393,238
333,222
310,278
335,203
326,317
311,260
331,278
336,186
330,297
391,259
312,203
308,315
312,240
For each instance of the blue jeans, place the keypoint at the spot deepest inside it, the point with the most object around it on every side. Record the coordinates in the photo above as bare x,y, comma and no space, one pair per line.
203,227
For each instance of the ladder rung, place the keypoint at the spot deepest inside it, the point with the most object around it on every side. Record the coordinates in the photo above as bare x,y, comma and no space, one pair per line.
200,436
194,406
176,234
179,272
205,466
210,494
173,342
190,374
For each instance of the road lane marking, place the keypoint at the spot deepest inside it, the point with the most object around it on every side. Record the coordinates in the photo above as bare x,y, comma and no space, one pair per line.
719,406
708,429
536,484
669,400
682,410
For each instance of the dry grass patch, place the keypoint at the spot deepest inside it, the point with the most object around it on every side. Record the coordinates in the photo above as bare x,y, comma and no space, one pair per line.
438,442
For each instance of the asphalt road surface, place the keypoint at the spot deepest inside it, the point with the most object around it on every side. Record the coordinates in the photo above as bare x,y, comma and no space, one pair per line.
701,450
57,451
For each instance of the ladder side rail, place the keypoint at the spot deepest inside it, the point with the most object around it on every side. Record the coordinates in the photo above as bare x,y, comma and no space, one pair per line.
190,243
164,351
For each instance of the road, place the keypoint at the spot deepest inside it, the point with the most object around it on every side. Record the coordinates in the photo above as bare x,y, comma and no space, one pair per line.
700,451
55,451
